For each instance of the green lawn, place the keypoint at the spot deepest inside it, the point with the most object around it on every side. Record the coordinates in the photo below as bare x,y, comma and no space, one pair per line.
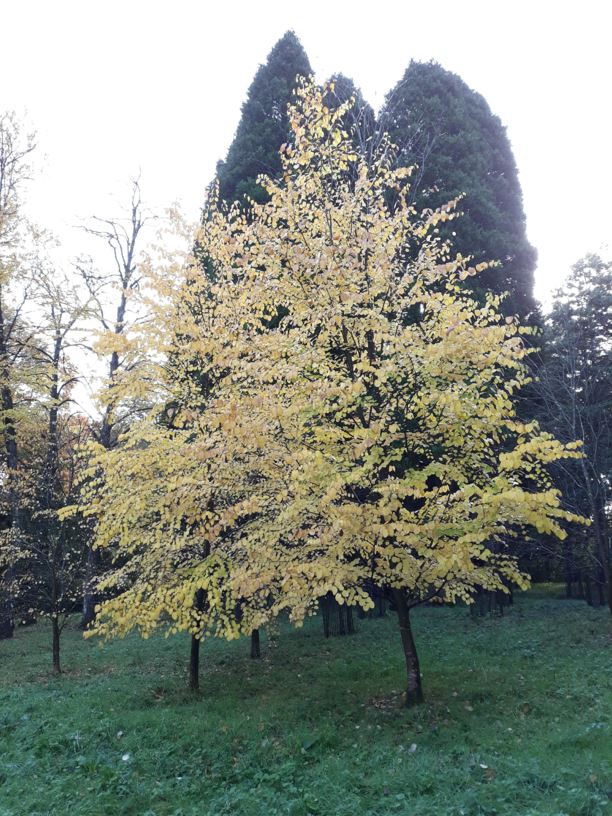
517,721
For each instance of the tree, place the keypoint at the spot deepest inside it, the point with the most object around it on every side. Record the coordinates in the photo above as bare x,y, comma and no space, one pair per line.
51,560
15,148
340,445
264,126
56,549
461,148
575,385
47,561
360,117
111,295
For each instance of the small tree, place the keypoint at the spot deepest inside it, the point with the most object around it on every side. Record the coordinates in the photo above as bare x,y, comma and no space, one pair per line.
359,424
52,557
57,548
48,563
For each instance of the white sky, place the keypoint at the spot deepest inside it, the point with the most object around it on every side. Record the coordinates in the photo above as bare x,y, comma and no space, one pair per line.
117,87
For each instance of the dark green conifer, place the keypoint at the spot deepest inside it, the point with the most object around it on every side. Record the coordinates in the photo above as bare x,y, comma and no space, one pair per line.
264,125
448,130
361,118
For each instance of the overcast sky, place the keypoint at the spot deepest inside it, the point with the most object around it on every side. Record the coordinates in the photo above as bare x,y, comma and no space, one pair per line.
118,88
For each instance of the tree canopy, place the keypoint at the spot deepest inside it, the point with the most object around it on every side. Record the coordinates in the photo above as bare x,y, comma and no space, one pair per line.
575,386
461,148
264,126
339,444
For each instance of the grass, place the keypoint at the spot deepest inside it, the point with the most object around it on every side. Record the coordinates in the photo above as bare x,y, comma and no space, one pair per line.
517,721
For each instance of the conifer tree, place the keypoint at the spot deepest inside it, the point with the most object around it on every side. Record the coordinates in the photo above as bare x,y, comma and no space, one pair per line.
264,126
459,146
360,118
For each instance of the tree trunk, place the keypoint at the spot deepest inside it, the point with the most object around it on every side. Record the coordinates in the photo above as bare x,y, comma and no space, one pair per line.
414,689
568,568
7,626
11,464
255,648
194,664
325,615
338,618
194,657
587,590
89,595
350,621
57,669
340,610
598,517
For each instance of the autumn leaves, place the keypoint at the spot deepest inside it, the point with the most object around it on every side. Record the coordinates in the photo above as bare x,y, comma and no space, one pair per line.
337,413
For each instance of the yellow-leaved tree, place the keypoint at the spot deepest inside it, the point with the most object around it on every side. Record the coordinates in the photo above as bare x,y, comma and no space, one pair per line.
336,410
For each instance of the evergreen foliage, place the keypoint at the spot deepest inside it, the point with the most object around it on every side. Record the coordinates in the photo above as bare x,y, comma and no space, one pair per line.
360,117
575,386
460,147
264,125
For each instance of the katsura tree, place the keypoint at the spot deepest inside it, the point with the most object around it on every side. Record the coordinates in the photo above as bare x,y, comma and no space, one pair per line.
382,405
359,425
156,495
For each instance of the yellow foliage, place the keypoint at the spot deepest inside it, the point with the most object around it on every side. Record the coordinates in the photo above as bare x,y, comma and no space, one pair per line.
334,408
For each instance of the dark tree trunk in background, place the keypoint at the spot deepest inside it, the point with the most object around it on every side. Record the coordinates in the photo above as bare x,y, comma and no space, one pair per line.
338,619
414,688
350,621
381,605
194,664
7,606
587,590
194,656
490,601
89,594
568,568
600,533
255,647
600,582
378,599
7,626
57,669
325,615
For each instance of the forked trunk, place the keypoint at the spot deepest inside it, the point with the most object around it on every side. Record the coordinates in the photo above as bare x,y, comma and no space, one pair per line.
414,689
